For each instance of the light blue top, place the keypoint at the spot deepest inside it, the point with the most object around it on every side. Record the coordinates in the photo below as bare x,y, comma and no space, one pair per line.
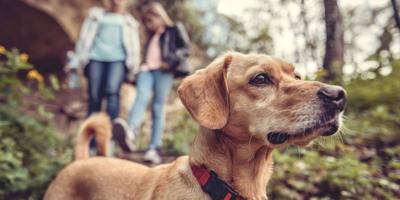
108,43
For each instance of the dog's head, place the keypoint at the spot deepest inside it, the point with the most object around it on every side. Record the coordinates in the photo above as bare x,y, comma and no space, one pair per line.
258,96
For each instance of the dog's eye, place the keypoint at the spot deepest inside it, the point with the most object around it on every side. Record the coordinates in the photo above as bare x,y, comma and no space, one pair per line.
260,80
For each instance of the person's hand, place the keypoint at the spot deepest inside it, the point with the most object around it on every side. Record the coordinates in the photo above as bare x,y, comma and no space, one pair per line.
131,78
67,69
164,66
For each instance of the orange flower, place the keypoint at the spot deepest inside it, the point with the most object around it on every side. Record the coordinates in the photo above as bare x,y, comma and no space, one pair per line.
2,49
35,75
24,57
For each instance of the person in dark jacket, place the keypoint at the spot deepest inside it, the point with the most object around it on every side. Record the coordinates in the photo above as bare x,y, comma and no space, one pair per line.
165,57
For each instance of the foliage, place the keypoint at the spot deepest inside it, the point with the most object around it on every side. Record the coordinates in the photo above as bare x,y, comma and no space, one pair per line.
183,132
257,35
335,171
30,155
30,152
375,101
183,11
12,63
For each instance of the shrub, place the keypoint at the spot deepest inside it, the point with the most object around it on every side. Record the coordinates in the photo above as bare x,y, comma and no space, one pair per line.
330,174
30,151
182,134
30,155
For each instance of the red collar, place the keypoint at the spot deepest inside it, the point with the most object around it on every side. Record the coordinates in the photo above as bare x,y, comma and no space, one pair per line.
214,186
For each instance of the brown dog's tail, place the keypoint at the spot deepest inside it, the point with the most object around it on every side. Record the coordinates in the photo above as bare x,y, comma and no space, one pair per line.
98,126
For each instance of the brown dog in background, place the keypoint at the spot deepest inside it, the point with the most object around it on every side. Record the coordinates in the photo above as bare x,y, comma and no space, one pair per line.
97,126
246,106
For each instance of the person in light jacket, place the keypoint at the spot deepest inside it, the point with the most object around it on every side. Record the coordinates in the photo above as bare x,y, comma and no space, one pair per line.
166,52
108,51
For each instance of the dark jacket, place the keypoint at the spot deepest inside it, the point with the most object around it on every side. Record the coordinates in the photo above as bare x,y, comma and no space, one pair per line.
174,47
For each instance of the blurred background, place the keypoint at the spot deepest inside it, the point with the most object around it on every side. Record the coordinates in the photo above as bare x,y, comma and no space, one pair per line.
355,44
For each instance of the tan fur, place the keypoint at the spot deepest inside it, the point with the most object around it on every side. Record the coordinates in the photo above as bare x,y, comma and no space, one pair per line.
234,117
98,126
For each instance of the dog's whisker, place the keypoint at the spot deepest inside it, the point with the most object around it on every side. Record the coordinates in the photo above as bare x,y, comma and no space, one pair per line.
249,147
347,130
340,136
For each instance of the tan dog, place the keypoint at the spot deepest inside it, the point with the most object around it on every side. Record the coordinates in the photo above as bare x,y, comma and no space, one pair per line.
246,106
97,126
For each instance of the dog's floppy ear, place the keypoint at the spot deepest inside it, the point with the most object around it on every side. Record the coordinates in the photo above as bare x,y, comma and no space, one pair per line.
205,94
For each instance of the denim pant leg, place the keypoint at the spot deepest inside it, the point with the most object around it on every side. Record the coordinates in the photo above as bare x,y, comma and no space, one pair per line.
144,87
114,79
162,87
95,71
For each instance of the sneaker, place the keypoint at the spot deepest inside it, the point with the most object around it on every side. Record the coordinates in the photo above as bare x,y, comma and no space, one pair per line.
123,135
152,156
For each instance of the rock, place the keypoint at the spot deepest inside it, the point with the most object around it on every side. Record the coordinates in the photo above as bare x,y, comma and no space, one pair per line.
45,29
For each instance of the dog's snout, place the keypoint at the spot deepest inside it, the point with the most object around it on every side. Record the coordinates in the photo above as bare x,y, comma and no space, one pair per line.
333,94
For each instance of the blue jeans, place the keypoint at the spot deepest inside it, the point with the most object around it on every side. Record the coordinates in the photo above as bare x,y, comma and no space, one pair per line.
158,84
105,80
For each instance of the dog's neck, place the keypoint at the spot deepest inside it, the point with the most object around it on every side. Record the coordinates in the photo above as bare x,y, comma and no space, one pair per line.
245,165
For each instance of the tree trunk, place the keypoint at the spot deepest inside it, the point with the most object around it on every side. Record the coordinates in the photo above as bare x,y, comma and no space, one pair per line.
396,14
334,44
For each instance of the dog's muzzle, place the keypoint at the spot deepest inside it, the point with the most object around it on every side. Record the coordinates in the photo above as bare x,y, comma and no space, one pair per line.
333,102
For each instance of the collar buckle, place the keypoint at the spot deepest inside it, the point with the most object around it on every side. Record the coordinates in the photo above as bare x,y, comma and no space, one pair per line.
218,189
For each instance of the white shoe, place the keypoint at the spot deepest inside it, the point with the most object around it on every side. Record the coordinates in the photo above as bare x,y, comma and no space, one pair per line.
124,135
152,156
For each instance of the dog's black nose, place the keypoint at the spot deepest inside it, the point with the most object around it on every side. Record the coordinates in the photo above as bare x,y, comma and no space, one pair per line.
333,94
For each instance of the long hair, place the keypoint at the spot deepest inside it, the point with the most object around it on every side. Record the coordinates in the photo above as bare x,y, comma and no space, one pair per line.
107,4
158,9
